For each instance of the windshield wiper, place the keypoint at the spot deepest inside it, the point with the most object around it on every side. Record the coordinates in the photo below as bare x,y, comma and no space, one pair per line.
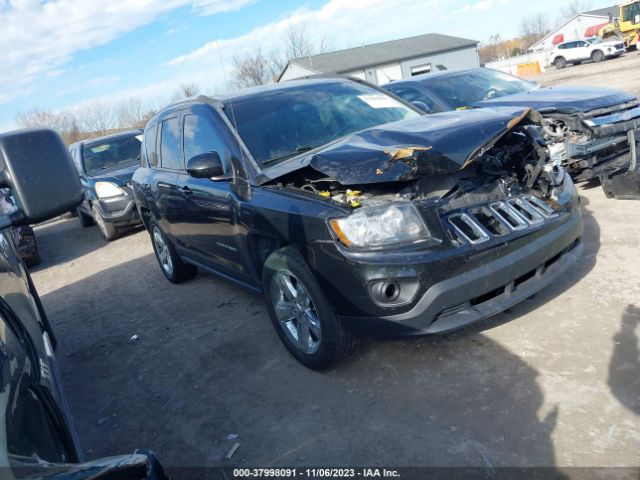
300,149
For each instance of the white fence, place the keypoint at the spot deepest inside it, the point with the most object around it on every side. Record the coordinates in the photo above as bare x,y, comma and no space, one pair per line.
523,65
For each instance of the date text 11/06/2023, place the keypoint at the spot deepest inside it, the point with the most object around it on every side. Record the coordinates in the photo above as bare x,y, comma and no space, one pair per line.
315,473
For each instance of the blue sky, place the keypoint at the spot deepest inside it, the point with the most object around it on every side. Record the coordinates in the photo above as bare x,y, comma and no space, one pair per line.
63,54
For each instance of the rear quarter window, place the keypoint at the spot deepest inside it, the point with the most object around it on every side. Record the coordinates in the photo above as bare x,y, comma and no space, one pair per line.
150,156
170,144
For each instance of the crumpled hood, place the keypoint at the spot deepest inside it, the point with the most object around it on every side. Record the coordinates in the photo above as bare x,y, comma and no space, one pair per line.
562,99
120,175
435,144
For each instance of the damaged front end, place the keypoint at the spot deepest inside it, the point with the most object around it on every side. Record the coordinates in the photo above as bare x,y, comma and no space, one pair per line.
444,220
491,181
600,143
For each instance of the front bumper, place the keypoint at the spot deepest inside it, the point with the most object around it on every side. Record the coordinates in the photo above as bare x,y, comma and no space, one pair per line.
485,290
454,285
120,211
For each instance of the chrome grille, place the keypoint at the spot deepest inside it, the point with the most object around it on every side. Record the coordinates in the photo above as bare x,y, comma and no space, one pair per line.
481,224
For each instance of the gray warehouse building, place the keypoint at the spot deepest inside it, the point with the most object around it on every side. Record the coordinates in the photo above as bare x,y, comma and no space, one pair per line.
383,62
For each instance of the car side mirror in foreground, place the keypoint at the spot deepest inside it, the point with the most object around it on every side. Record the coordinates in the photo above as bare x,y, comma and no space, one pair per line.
35,165
421,105
205,165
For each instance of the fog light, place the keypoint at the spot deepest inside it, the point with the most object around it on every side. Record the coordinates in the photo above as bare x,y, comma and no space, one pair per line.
393,292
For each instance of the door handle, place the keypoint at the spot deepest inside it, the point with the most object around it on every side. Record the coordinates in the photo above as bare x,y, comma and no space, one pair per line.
186,190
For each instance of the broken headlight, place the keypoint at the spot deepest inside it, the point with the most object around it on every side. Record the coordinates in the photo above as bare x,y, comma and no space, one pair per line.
381,225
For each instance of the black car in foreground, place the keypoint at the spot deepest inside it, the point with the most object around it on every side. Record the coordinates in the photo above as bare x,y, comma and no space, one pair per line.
37,437
352,212
105,166
590,131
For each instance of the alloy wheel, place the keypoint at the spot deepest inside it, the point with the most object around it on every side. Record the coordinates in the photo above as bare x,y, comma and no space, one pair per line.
162,250
295,311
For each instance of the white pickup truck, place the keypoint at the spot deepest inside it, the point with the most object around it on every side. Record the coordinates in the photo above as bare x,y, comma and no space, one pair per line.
578,51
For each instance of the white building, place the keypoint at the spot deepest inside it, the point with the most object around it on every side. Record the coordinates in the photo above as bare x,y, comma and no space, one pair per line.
383,62
581,26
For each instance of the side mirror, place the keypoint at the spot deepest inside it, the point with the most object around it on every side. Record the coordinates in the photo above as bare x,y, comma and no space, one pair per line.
421,105
36,166
205,165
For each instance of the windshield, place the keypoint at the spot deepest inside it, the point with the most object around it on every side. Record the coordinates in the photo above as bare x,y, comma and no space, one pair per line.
112,153
466,89
279,124
594,40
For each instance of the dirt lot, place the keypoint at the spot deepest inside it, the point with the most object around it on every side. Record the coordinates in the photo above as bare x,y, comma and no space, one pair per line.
552,382
619,73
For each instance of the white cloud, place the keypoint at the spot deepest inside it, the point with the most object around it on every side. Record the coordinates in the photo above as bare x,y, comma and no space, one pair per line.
480,6
212,7
40,37
347,23
73,25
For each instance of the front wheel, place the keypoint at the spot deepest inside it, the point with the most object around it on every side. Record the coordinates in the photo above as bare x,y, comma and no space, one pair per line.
560,63
301,314
85,220
597,56
108,230
172,266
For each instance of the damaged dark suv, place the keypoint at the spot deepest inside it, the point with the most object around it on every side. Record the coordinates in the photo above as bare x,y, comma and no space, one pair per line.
590,131
353,213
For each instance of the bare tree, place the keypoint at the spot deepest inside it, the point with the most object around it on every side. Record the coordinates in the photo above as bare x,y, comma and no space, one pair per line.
489,51
574,7
63,122
131,113
298,43
97,118
325,44
258,67
186,90
255,68
534,28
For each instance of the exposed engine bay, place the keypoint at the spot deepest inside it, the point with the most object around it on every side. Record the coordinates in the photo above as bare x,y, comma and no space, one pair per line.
601,143
514,163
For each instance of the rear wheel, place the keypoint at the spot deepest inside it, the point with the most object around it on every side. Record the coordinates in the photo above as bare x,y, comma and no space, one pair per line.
172,266
301,314
108,230
560,63
597,56
85,220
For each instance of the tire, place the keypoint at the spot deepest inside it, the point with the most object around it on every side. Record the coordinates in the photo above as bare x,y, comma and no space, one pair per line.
108,230
612,36
171,265
85,220
597,56
297,305
560,63
33,260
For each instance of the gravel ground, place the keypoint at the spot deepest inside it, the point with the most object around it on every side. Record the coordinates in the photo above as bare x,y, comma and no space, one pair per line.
554,381
618,72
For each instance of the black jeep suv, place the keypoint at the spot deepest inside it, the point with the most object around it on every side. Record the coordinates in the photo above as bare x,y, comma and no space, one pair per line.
105,166
352,212
37,437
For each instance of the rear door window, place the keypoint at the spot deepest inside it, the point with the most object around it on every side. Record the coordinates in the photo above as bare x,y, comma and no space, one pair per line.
170,144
